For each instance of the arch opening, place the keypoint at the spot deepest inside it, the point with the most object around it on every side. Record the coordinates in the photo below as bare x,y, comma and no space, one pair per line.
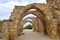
26,10
27,25
29,15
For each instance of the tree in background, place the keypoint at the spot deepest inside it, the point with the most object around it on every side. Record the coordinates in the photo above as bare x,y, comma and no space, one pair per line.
28,27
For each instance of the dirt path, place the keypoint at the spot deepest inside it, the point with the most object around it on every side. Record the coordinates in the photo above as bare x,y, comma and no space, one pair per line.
30,35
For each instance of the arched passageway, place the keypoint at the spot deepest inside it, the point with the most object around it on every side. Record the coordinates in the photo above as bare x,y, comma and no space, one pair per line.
34,20
44,15
27,34
25,11
38,20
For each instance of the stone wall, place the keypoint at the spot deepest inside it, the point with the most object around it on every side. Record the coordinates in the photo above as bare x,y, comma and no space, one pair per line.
1,29
5,30
50,12
1,26
59,30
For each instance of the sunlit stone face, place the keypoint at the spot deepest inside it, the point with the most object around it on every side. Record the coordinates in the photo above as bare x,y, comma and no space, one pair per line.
49,1
53,1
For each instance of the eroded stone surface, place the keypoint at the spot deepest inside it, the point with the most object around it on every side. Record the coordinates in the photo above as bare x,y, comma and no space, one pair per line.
46,13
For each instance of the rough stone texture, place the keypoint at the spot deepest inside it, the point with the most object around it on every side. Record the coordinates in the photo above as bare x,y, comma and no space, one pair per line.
1,26
53,30
47,15
5,31
1,29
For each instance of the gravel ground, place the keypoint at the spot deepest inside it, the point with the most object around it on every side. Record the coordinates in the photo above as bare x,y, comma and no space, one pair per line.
30,35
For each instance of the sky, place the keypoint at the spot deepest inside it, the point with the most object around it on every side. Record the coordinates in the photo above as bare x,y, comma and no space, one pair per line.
29,15
7,6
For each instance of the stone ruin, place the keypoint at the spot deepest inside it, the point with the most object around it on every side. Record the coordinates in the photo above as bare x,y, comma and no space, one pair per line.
48,16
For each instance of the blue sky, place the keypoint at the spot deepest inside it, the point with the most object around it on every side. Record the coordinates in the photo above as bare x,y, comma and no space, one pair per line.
6,6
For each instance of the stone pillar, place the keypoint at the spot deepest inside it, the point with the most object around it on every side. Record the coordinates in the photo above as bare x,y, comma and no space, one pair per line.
34,24
41,27
37,20
22,22
19,29
1,26
34,29
14,31
54,30
14,28
5,30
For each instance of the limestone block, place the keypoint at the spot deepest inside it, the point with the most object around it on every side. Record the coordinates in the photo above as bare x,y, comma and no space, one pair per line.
53,31
5,30
1,26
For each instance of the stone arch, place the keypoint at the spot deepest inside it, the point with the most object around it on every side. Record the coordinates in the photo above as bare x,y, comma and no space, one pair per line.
20,29
36,13
40,15
33,6
37,26
33,21
22,13
24,21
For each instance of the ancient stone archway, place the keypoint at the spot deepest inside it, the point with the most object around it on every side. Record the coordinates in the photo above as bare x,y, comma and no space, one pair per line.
22,13
40,17
47,10
33,21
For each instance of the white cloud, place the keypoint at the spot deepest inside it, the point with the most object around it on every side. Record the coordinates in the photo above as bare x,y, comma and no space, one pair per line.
40,1
34,1
8,7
